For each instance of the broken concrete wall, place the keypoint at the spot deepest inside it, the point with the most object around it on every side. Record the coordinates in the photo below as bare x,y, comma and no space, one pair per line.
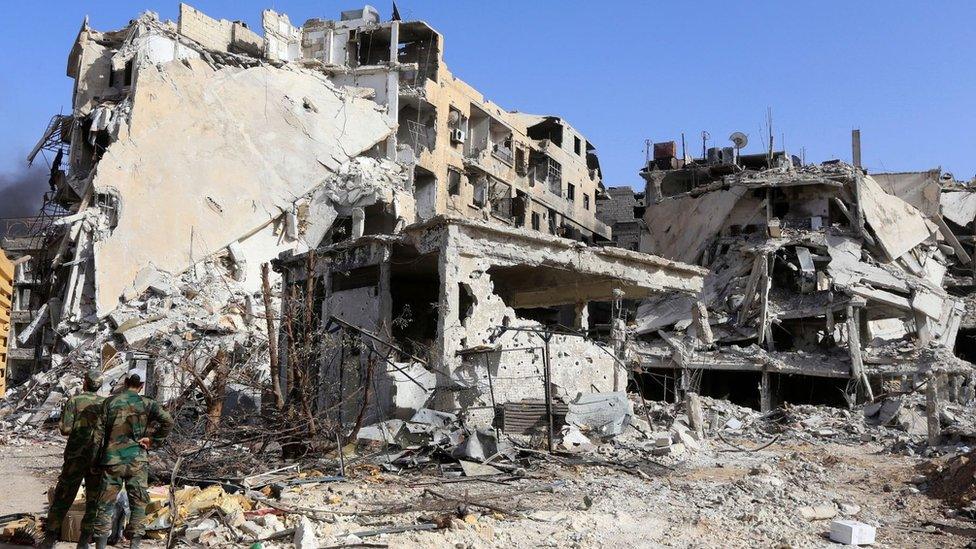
898,225
920,189
242,145
218,34
672,234
576,364
470,254
282,40
959,206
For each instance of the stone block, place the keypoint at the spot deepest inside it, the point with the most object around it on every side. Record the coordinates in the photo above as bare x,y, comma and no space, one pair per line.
852,532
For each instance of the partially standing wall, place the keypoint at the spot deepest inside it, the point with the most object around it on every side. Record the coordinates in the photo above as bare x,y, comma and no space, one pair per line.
6,301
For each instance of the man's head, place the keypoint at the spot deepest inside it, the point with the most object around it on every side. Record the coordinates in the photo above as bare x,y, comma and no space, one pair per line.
93,380
135,381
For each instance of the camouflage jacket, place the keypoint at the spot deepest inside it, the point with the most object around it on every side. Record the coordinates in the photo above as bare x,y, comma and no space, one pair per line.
79,421
126,418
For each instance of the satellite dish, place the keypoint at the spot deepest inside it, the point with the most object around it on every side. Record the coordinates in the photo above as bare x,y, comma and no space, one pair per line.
739,139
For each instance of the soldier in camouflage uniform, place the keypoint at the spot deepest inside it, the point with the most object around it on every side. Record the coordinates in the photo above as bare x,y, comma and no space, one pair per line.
131,424
79,420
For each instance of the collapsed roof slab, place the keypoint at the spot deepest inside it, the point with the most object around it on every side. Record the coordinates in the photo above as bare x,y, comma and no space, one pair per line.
898,225
561,271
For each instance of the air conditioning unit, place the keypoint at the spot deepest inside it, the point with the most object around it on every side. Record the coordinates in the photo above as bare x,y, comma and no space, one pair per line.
458,135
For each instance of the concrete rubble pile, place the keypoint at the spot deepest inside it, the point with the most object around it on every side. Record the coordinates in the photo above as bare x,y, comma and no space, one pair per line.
816,273
397,309
177,190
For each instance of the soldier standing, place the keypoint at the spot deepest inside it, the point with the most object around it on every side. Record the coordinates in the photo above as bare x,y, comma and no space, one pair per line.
79,420
131,424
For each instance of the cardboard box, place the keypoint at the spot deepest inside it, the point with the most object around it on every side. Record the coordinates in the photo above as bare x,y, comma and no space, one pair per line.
71,525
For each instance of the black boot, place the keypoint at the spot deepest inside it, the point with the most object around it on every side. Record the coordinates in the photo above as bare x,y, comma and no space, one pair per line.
50,538
134,543
84,541
101,542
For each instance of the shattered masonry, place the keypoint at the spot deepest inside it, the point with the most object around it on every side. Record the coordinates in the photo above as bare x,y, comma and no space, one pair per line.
819,270
199,150
345,270
477,249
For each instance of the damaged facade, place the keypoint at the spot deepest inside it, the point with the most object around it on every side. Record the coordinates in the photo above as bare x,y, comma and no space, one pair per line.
199,150
466,316
29,341
622,210
815,272
344,271
469,156
469,245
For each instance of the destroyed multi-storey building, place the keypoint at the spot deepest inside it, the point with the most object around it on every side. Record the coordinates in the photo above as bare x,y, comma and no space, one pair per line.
467,316
470,157
441,224
818,279
24,242
622,209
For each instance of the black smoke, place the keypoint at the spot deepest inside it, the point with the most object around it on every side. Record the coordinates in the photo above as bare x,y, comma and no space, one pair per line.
22,191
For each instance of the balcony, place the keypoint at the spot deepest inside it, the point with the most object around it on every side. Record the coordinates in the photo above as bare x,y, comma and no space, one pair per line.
503,153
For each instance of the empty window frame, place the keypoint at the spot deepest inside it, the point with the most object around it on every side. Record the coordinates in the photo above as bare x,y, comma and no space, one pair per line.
480,196
577,145
570,192
536,221
453,182
586,201
500,197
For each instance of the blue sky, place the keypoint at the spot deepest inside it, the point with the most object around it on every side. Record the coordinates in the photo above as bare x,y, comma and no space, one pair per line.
623,72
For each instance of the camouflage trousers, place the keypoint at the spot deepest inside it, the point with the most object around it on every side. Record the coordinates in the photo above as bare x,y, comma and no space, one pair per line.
135,478
72,473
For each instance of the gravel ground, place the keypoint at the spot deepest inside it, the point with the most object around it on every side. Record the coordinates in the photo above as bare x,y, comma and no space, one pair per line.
706,498
27,471
711,499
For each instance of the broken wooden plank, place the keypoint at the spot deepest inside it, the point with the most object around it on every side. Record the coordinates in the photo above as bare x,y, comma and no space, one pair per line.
881,296
854,347
961,253
759,267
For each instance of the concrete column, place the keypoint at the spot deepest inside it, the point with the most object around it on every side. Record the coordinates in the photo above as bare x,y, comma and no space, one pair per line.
329,46
449,328
696,418
955,388
765,393
581,321
393,89
358,222
932,411
383,380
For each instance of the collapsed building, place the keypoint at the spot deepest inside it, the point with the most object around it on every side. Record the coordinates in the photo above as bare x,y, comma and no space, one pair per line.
821,277
453,236
622,209
447,231
472,317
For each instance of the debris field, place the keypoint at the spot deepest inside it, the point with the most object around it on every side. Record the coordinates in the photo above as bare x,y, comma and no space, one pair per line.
387,312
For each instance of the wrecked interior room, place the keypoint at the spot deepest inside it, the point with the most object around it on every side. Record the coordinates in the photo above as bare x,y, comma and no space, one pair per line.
384,310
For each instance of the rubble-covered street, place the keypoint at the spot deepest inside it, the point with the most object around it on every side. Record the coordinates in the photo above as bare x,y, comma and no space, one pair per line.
730,489
301,286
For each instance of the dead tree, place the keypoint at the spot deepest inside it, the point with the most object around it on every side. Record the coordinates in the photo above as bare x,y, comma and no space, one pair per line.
213,395
272,338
